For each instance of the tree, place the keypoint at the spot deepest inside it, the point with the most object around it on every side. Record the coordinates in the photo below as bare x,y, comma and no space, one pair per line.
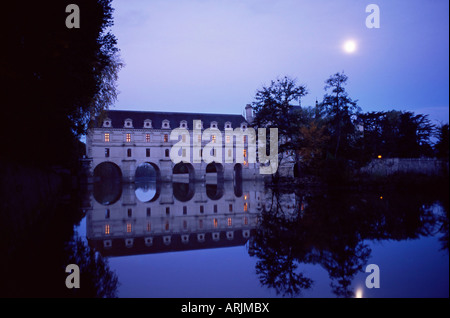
56,78
340,111
273,108
442,145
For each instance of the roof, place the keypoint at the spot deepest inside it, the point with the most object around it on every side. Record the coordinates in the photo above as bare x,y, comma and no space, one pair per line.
138,117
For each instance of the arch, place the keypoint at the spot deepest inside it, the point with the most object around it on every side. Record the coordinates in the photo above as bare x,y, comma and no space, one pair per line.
183,191
147,185
217,168
184,168
215,191
107,183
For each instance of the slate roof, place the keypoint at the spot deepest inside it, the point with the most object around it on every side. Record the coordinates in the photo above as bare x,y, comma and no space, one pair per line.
138,117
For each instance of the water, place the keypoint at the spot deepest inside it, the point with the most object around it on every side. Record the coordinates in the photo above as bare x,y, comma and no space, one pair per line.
153,239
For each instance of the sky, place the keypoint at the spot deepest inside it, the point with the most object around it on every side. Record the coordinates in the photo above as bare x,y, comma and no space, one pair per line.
211,56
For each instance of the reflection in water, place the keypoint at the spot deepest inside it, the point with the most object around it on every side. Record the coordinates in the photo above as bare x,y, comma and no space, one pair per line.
332,230
146,191
108,192
172,217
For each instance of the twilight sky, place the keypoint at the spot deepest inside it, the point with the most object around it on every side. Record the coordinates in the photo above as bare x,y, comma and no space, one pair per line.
212,55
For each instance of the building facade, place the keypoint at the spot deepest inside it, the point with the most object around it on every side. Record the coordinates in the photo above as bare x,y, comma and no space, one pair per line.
123,141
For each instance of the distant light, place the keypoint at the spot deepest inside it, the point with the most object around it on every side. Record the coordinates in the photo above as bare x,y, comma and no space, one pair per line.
350,46
359,293
381,197
380,156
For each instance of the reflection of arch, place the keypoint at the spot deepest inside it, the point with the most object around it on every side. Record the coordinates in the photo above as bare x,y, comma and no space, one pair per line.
183,191
184,168
237,180
215,167
147,191
107,183
215,191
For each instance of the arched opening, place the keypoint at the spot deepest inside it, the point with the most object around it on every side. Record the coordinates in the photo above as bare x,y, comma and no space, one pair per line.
215,191
107,183
147,184
183,191
183,172
214,170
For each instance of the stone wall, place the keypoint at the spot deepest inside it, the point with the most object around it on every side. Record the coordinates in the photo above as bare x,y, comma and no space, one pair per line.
384,167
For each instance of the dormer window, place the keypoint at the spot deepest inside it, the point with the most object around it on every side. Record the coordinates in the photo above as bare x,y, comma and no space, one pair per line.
198,124
243,126
183,124
227,125
165,124
128,123
214,124
107,122
147,123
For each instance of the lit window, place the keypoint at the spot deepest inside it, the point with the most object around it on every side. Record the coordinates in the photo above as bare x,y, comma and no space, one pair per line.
229,222
107,137
149,226
228,139
147,137
245,220
166,137
244,139
215,223
128,137
245,153
245,207
213,138
128,227
107,229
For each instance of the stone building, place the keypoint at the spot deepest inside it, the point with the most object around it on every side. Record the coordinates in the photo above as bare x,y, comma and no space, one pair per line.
125,141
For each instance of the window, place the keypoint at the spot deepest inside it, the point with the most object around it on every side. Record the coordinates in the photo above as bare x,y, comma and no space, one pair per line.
245,220
167,153
184,225
107,229
130,213
128,137
215,222
229,153
147,152
245,207
230,208
166,227
106,137
166,137
200,224
229,221
128,227
149,226
245,153
244,139
107,214
167,210
149,212
184,210
183,153
128,152
106,152
147,137
213,138
201,209
215,208
200,139
228,139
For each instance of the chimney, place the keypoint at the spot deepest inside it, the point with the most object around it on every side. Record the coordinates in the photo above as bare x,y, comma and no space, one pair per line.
249,113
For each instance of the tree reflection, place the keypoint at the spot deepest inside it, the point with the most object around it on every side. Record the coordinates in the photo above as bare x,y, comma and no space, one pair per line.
330,229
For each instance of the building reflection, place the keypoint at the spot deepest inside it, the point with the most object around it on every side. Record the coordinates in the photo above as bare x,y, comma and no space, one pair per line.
152,217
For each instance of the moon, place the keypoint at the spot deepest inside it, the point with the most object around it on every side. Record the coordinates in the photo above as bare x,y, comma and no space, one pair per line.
349,46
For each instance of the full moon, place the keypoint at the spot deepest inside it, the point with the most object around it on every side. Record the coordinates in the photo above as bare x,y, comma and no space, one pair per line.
350,46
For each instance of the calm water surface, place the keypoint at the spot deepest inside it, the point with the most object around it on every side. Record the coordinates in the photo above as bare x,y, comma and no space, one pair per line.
245,240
